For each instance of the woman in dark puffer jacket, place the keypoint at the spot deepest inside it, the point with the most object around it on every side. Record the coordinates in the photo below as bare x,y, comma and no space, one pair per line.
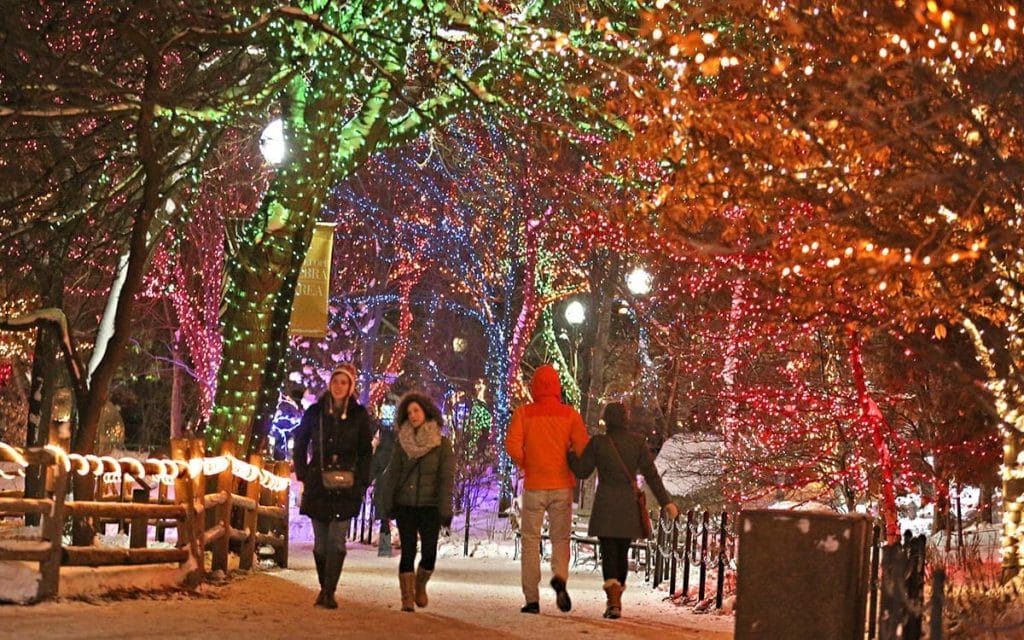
417,492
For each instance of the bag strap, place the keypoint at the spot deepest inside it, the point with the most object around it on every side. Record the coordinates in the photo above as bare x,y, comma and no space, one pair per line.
625,469
408,474
322,443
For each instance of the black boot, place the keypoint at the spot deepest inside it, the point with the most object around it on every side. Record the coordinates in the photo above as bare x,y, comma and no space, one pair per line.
332,573
319,560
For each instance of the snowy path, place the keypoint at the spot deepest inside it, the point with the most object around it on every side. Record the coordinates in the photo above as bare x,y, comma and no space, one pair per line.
470,598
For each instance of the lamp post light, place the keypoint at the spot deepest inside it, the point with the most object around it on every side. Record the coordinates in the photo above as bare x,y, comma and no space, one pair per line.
272,143
639,281
575,314
458,344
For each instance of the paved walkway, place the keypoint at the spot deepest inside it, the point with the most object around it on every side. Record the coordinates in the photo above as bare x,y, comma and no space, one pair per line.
470,598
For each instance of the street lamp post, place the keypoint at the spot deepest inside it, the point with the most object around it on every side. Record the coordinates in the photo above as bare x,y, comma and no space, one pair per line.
639,281
272,143
575,314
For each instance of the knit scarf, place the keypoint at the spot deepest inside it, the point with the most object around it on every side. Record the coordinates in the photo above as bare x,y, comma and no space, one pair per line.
416,442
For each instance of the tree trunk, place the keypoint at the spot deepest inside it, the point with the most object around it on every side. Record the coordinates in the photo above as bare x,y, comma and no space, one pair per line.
257,308
671,417
368,355
985,494
602,292
40,406
603,277
1013,489
264,268
91,406
277,347
496,370
870,412
940,516
176,383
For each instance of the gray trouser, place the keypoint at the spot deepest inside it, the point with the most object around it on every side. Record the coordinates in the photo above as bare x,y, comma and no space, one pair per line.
329,550
557,503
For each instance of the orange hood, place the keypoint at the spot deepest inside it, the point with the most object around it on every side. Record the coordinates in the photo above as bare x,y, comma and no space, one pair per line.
545,385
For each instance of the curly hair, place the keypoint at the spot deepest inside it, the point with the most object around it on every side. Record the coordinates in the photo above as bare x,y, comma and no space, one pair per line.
430,409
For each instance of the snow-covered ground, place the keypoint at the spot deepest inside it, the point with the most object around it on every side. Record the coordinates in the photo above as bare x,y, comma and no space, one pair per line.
470,597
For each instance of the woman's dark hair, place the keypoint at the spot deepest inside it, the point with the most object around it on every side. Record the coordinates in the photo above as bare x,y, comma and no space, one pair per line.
430,410
615,417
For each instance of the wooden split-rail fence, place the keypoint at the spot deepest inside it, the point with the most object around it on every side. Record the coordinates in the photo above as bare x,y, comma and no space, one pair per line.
211,502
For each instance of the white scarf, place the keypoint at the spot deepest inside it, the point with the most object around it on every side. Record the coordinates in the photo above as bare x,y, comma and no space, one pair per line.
416,442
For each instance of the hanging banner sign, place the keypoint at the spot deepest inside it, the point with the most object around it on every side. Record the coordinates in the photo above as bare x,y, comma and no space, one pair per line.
309,309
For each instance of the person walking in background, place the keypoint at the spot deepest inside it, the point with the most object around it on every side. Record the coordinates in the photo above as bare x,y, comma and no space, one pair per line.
383,449
539,437
615,520
333,452
417,492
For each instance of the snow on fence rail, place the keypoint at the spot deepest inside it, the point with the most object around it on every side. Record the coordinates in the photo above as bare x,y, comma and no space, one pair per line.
248,505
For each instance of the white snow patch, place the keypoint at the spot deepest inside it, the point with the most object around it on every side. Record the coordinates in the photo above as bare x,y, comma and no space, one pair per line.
810,505
689,462
86,582
829,545
18,582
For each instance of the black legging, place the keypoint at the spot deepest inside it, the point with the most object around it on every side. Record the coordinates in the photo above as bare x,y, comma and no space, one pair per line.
615,558
424,521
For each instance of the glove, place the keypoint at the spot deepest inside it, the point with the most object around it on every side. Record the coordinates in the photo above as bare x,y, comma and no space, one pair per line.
670,511
446,522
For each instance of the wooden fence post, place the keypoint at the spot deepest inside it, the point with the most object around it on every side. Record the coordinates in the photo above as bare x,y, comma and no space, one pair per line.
139,526
225,487
52,530
124,494
190,532
161,498
247,554
283,469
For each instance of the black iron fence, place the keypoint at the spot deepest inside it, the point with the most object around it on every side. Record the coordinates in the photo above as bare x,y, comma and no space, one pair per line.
701,542
896,601
696,555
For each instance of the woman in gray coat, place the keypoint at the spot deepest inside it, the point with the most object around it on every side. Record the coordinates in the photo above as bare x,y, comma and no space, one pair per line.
417,492
618,456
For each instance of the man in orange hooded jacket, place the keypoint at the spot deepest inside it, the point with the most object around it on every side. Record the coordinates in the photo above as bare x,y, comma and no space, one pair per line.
539,437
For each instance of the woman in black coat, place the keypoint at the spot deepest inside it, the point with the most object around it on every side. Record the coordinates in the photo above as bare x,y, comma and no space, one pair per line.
335,434
417,492
615,519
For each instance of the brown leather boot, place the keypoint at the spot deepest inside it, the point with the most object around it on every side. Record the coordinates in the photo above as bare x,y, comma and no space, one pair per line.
407,582
422,577
613,589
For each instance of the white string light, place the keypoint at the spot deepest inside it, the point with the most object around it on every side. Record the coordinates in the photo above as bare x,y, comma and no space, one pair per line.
112,470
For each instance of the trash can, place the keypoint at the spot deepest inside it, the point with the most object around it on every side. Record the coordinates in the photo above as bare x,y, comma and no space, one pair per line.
802,575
